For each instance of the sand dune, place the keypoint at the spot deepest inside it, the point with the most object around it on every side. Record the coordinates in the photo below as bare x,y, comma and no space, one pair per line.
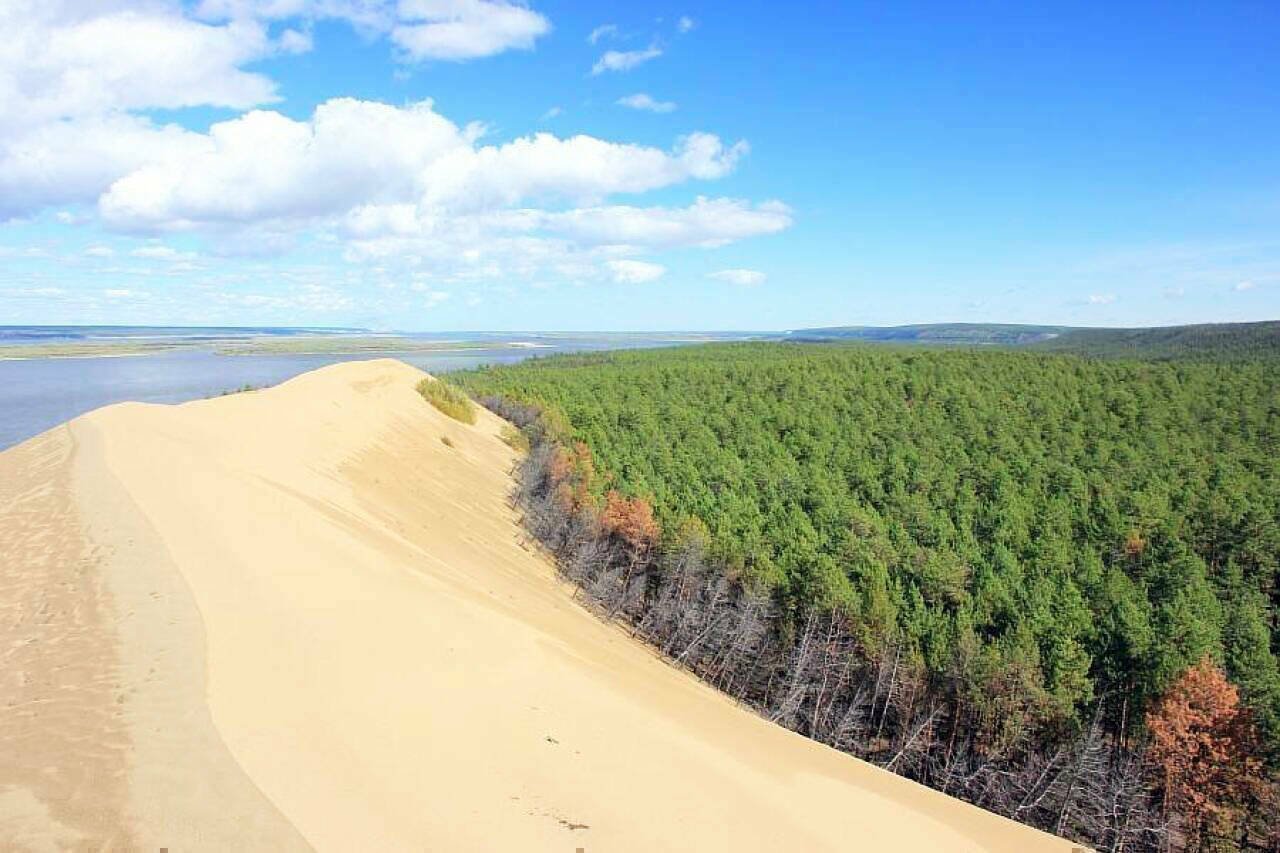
295,618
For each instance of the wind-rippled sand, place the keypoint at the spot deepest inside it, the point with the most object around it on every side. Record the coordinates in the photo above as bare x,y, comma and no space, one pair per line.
295,618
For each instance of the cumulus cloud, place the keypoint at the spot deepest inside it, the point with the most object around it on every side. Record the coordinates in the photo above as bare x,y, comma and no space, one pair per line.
740,277
75,160
1244,286
635,272
641,101
685,24
625,60
1101,298
351,154
73,71
579,168
74,74
66,60
465,29
264,165
399,185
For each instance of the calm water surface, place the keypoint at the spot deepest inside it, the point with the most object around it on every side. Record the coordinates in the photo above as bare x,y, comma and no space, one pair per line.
37,394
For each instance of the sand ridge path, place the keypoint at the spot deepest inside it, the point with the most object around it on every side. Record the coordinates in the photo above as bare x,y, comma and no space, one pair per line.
61,728
385,667
106,742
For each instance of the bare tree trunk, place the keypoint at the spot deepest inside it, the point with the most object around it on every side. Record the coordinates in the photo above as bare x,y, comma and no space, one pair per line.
889,696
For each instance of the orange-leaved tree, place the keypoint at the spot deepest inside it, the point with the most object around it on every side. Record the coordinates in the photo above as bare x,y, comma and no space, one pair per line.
1206,747
631,520
573,473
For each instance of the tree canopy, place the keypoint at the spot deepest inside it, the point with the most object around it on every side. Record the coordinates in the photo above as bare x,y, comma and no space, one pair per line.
1047,541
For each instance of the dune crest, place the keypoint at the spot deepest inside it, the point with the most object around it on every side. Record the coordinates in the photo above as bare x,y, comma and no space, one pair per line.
297,618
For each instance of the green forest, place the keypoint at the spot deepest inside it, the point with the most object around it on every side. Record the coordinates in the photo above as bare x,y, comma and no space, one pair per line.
1044,544
1205,341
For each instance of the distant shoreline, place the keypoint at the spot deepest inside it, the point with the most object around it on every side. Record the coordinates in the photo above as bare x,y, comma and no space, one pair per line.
318,345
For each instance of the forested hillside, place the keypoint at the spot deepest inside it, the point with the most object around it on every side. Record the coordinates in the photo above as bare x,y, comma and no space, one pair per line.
1210,341
992,571
941,334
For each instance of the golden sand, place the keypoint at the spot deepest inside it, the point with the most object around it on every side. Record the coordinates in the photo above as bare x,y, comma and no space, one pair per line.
296,618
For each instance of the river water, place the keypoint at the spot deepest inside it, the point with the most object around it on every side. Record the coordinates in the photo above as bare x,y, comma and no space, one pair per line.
39,393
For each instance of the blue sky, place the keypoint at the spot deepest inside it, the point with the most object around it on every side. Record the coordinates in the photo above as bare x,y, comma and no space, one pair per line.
474,164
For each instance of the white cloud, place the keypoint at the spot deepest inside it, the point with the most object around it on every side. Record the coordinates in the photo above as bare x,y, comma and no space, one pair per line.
566,245
400,186
741,277
100,252
358,154
625,60
157,252
685,24
450,30
554,112
603,31
635,272
70,72
263,165
578,168
707,223
642,101
369,15
295,41
75,160
361,159
65,60
1101,298
75,73
1244,286
465,29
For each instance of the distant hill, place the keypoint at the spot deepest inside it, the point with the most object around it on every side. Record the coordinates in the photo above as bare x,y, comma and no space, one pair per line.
1212,340
1208,341
1002,334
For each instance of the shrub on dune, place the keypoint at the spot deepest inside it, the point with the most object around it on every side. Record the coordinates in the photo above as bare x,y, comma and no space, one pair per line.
448,399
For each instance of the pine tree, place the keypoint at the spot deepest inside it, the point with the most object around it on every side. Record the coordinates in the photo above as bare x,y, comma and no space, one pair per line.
1206,747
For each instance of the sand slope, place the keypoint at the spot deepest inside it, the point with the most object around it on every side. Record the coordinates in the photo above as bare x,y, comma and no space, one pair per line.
296,618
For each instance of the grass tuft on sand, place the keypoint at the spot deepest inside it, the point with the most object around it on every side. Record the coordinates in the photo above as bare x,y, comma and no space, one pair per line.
448,399
514,438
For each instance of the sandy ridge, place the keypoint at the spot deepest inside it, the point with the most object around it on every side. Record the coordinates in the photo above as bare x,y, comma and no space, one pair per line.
327,633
